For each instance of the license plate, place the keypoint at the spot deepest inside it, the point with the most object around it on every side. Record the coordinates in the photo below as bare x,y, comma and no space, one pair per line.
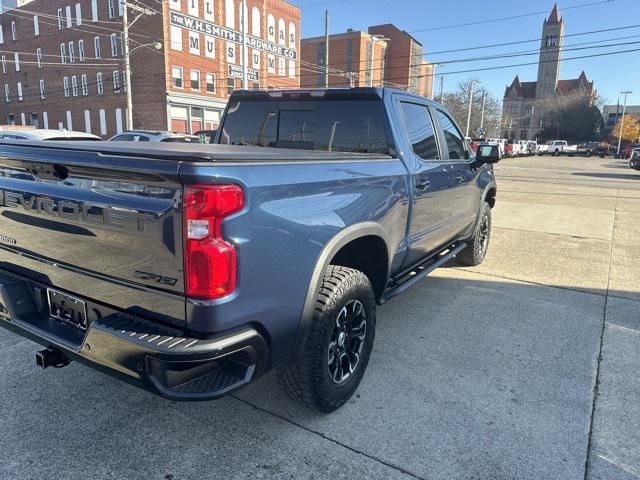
67,309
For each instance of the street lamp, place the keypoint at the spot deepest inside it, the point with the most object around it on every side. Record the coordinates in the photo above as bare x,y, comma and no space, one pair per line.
374,39
473,83
433,78
624,108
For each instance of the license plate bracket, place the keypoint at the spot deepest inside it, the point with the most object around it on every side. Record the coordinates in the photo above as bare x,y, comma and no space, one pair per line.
67,309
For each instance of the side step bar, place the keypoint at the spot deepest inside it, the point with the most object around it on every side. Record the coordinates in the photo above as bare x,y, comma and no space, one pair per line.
422,271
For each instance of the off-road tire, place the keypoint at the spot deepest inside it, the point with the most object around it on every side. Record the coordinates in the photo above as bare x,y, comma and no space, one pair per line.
308,380
479,243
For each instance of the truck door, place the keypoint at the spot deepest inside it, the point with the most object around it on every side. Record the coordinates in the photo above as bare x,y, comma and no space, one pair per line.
433,197
466,199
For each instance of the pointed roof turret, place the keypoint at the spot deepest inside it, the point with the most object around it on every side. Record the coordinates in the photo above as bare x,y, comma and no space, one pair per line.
555,15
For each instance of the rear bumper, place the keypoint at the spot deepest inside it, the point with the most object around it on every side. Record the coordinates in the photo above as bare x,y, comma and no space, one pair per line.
158,359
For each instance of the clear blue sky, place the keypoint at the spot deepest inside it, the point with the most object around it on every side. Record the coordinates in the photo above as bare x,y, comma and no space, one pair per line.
610,73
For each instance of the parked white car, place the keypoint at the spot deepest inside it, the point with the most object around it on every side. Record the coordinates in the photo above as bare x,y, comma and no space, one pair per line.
556,148
44,134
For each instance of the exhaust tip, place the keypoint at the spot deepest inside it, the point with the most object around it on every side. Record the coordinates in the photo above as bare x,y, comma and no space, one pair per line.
51,357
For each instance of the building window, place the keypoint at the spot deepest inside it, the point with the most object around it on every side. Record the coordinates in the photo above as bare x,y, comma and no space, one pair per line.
36,26
116,81
112,9
60,19
211,82
4,64
85,84
39,57
94,10
14,32
81,53
19,91
72,53
1,35
16,59
176,38
100,83
349,55
69,17
11,119
255,85
7,98
65,86
114,45
42,90
231,85
176,75
321,58
195,80
74,86
63,53
96,47
78,14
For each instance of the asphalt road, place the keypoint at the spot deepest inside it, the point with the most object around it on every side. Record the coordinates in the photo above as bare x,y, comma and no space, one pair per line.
525,367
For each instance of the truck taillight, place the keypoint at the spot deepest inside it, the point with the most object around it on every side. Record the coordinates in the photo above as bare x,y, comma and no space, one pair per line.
209,260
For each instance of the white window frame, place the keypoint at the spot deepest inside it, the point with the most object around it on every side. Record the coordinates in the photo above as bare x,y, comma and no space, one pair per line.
69,16
181,77
65,86
112,9
114,44
78,14
72,53
175,34
116,81
1,36
94,11
207,83
97,48
43,93
74,86
100,83
85,84
36,26
16,60
191,79
4,63
19,89
7,93
81,52
14,31
63,53
39,57
60,19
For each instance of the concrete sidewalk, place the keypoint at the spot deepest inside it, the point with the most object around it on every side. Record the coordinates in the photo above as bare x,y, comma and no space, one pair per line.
480,373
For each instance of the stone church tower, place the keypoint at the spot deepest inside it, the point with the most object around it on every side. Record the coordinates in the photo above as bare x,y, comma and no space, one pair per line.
523,105
550,55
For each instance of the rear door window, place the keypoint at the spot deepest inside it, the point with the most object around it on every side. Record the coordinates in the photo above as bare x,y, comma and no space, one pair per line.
419,127
330,125
453,137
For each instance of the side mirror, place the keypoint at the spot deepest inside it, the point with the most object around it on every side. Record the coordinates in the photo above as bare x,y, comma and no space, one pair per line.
488,154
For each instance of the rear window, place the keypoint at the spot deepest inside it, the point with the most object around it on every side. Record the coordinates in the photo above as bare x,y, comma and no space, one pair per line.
330,125
74,139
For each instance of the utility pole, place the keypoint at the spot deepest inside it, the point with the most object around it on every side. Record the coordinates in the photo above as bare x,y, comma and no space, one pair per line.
243,20
127,63
326,49
473,83
442,89
433,80
484,97
624,109
126,51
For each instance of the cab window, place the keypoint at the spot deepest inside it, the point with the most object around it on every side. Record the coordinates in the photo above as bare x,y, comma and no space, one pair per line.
453,137
420,131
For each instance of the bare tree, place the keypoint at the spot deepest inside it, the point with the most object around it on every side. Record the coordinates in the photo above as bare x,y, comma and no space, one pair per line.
458,104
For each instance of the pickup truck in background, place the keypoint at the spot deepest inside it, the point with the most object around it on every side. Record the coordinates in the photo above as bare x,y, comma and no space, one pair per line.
557,148
190,270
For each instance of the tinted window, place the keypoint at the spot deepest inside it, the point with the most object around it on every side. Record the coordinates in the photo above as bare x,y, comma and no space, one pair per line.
181,140
123,138
453,137
420,130
337,125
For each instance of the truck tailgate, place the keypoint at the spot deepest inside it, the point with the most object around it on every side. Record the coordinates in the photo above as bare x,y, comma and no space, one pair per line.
107,227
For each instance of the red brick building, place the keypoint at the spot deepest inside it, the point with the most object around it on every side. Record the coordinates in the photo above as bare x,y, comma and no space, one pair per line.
62,64
355,59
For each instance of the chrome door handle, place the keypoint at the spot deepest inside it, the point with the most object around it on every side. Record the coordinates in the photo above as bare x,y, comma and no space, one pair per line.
423,184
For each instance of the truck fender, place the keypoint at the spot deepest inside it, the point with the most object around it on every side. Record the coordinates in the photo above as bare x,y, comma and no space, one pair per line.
333,246
485,192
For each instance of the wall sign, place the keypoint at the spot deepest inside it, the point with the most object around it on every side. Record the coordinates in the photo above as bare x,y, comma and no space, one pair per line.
235,71
211,29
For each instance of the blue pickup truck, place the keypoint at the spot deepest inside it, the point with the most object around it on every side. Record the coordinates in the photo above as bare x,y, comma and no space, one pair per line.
190,270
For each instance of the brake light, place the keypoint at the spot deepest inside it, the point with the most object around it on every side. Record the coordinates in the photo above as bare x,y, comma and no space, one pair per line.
209,260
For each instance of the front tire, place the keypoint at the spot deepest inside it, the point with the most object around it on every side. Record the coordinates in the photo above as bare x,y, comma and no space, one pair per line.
478,245
339,344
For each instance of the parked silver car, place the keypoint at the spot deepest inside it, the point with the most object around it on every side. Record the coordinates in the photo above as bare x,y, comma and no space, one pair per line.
154,136
44,134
